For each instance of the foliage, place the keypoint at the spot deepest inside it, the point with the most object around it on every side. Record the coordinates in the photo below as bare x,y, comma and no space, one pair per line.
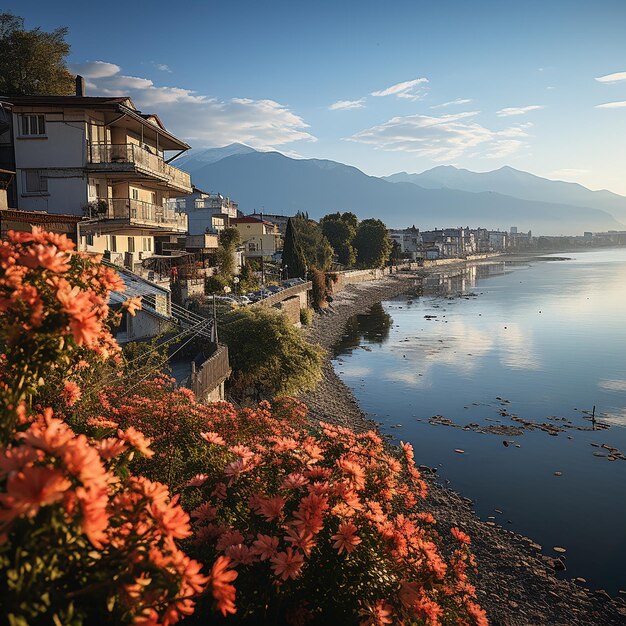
319,290
305,247
229,240
340,231
322,525
293,261
214,284
372,243
32,62
248,280
267,353
306,316
53,305
82,540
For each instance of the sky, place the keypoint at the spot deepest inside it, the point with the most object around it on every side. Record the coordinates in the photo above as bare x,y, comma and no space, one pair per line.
384,86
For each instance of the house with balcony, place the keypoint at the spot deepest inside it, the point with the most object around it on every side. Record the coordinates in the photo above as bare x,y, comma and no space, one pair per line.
99,158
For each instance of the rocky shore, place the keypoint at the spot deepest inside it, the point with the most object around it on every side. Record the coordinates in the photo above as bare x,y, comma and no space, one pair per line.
517,584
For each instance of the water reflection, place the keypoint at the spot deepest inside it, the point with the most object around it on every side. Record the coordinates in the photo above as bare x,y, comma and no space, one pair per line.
373,327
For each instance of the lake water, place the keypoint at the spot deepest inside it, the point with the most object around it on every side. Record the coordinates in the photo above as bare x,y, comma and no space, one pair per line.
548,337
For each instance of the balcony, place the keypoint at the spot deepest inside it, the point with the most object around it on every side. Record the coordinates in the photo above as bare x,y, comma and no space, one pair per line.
135,159
143,214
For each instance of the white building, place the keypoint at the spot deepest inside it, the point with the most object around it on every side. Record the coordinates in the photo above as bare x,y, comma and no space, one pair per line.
102,158
207,212
409,240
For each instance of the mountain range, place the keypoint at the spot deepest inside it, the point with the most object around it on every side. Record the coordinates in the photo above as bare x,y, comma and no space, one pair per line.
442,197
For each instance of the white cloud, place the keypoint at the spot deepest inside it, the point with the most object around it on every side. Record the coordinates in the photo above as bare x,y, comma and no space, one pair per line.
442,138
95,69
612,105
162,67
509,111
612,78
409,89
451,103
342,105
202,119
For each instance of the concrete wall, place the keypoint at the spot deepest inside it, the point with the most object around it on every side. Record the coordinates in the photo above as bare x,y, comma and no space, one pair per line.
144,325
291,308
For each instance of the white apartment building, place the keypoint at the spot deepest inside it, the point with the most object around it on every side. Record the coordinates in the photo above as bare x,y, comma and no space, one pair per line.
101,158
207,212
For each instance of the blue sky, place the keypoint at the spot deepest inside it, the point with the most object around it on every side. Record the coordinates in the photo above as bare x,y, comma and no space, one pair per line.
414,84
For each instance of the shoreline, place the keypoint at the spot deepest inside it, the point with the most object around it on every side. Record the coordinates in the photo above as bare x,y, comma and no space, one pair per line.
516,584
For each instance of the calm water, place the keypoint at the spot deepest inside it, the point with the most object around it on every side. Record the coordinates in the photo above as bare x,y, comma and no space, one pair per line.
549,337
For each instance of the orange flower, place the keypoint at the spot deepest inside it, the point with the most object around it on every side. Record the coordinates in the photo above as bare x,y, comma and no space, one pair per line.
132,305
137,440
376,614
222,589
345,539
27,491
213,438
272,508
265,547
287,564
70,393
460,536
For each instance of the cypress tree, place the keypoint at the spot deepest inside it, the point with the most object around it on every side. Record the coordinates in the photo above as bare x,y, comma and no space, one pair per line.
293,257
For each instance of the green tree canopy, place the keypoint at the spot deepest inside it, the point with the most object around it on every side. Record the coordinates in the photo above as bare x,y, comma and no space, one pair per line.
32,62
372,243
340,233
267,353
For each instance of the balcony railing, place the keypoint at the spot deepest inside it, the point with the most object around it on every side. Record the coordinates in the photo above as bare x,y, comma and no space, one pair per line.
139,213
119,156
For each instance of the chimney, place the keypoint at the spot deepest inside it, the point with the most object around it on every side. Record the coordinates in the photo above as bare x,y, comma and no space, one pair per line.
80,86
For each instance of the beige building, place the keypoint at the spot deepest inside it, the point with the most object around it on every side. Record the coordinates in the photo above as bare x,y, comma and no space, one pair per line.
103,159
259,238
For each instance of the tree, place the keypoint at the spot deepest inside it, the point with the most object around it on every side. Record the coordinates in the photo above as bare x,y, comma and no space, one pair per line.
268,353
293,258
340,233
305,245
248,280
372,243
32,62
229,240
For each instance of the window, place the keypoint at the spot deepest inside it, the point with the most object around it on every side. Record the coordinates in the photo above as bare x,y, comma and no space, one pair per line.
134,193
35,181
32,125
113,243
131,244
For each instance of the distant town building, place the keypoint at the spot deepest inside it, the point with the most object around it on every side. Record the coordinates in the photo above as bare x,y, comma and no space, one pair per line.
207,212
259,238
279,220
409,241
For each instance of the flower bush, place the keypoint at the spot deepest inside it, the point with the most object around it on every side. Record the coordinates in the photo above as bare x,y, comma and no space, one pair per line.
321,525
53,303
82,540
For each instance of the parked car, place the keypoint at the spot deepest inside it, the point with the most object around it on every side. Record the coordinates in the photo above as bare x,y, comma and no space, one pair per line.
244,300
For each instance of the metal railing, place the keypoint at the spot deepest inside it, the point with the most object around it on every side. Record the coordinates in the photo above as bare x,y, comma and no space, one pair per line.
142,160
143,214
